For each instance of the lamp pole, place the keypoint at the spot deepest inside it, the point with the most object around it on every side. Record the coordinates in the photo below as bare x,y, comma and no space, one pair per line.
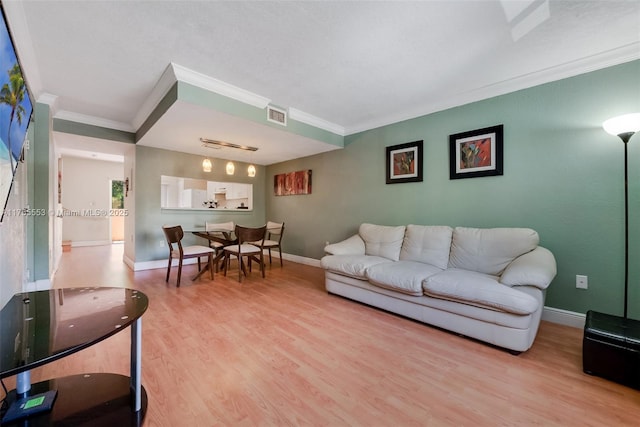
624,127
626,225
609,345
625,136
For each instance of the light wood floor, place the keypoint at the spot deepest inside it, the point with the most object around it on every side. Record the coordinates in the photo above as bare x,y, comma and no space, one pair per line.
281,351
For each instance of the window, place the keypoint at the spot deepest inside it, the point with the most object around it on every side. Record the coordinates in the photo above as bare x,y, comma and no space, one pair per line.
117,194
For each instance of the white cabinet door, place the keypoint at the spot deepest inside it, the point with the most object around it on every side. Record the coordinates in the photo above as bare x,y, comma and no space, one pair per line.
237,191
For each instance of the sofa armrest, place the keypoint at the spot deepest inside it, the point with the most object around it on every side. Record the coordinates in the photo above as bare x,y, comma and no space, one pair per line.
354,245
536,268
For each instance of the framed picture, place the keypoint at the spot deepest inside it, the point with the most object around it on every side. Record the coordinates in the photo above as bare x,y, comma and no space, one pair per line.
292,183
476,153
404,163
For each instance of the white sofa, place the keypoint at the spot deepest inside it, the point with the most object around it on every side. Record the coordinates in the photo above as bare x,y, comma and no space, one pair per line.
487,284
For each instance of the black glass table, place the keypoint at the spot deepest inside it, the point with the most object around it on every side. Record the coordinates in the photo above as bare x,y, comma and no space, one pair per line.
40,327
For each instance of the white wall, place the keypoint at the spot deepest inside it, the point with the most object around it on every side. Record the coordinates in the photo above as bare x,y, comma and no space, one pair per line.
86,199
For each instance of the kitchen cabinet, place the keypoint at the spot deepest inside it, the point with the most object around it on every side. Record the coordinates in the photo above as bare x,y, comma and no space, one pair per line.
237,191
188,193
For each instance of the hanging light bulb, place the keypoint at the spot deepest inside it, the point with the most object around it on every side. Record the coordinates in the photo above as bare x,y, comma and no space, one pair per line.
251,170
206,165
230,168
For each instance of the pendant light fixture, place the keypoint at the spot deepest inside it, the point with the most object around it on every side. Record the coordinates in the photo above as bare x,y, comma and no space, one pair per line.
206,165
231,168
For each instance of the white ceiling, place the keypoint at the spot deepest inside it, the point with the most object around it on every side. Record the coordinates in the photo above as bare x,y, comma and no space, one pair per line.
355,65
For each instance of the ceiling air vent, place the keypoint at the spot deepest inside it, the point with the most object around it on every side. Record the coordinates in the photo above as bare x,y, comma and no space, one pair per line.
276,115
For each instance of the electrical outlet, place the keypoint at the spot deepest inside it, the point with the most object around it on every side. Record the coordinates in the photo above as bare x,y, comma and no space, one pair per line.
582,282
326,243
160,243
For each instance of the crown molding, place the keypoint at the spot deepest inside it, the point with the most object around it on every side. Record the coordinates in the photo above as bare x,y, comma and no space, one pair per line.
574,68
166,81
610,58
94,121
314,121
175,73
218,86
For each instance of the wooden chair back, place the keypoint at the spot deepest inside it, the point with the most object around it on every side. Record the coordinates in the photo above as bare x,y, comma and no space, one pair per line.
275,231
253,235
174,235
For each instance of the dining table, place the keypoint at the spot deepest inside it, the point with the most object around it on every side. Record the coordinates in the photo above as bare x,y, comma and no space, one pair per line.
222,236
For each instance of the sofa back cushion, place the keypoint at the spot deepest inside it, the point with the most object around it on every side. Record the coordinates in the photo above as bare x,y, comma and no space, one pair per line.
429,244
382,240
490,250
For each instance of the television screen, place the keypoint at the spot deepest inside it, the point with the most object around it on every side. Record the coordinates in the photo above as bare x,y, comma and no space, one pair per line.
15,112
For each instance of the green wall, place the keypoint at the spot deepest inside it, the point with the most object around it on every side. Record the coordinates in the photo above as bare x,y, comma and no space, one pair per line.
41,164
151,163
83,129
563,177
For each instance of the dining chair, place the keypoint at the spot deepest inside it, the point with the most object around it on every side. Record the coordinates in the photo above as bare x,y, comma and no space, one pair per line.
250,245
273,240
219,235
174,235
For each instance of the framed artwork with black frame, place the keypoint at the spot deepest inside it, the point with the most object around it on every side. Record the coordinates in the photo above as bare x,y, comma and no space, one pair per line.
404,163
476,153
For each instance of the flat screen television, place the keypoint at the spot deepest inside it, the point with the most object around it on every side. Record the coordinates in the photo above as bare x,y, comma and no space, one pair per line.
15,112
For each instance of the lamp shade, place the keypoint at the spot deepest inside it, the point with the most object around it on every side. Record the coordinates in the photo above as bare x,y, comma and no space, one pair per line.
251,171
628,123
206,165
230,168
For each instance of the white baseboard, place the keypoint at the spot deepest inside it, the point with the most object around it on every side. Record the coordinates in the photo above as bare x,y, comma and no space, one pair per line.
152,265
302,260
162,263
564,317
75,244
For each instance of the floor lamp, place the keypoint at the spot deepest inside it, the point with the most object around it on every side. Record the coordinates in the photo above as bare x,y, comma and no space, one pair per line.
611,344
624,127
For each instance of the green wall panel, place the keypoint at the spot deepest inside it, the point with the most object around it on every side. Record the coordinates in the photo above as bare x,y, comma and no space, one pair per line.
41,157
83,129
563,177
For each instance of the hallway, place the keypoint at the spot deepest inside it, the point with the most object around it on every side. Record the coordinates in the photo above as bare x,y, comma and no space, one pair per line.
94,266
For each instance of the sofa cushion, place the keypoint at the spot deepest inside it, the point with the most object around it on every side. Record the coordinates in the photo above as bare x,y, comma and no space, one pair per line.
489,250
480,290
354,245
429,244
536,268
401,276
382,240
351,265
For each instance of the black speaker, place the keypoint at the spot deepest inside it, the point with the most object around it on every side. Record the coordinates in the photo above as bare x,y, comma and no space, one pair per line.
611,348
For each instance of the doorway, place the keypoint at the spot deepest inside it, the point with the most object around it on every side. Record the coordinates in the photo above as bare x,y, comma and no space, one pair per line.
117,211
